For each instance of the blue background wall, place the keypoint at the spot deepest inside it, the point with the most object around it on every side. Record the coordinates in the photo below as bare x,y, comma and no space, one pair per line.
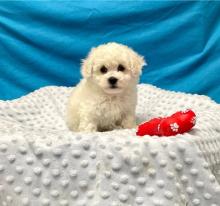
42,42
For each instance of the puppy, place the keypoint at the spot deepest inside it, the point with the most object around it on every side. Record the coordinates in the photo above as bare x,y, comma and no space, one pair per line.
106,97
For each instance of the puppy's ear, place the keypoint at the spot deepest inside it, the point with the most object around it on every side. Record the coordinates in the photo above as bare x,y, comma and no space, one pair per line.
87,65
137,64
86,68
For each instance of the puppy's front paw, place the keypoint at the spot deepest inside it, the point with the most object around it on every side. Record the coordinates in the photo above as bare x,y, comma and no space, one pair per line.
88,127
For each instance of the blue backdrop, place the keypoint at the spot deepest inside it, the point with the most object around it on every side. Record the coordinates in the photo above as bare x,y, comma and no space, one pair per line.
42,42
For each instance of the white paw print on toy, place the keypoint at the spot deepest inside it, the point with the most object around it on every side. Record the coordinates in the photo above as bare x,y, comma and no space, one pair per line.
158,127
193,120
174,127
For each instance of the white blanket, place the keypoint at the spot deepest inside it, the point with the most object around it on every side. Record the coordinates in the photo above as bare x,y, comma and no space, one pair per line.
42,163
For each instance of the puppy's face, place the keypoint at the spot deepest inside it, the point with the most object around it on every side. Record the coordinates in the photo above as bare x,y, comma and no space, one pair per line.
113,67
112,77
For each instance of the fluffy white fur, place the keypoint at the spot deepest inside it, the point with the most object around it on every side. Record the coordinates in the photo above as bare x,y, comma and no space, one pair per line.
93,104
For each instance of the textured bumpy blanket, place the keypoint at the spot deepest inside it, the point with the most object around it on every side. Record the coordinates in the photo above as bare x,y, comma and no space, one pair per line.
42,163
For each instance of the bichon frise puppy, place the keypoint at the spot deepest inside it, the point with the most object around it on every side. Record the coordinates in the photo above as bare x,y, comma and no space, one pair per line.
106,97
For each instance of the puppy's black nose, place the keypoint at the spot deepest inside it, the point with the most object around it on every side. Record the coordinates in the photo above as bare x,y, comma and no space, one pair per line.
112,80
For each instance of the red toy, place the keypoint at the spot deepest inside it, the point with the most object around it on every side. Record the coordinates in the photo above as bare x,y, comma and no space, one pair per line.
177,123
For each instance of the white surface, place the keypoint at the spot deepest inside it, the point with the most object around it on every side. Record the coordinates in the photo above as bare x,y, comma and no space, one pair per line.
42,163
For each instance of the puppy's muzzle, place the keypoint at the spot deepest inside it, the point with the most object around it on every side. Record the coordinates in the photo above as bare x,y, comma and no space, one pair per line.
112,81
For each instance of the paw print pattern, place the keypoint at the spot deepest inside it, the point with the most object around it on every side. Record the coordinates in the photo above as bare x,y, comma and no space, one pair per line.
174,127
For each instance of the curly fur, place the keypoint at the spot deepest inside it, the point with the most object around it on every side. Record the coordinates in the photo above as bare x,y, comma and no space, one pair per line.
93,104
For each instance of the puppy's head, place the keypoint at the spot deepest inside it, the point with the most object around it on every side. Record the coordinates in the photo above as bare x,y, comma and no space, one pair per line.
113,67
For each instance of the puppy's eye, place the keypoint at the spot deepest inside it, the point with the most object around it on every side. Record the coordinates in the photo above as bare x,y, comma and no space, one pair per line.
121,68
103,70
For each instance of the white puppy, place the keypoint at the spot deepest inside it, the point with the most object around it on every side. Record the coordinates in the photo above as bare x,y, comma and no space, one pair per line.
106,97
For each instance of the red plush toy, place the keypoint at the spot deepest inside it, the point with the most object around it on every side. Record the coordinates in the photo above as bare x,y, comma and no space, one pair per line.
177,123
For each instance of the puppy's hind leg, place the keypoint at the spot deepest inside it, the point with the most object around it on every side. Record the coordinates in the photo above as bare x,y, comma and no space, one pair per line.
72,117
72,121
129,122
